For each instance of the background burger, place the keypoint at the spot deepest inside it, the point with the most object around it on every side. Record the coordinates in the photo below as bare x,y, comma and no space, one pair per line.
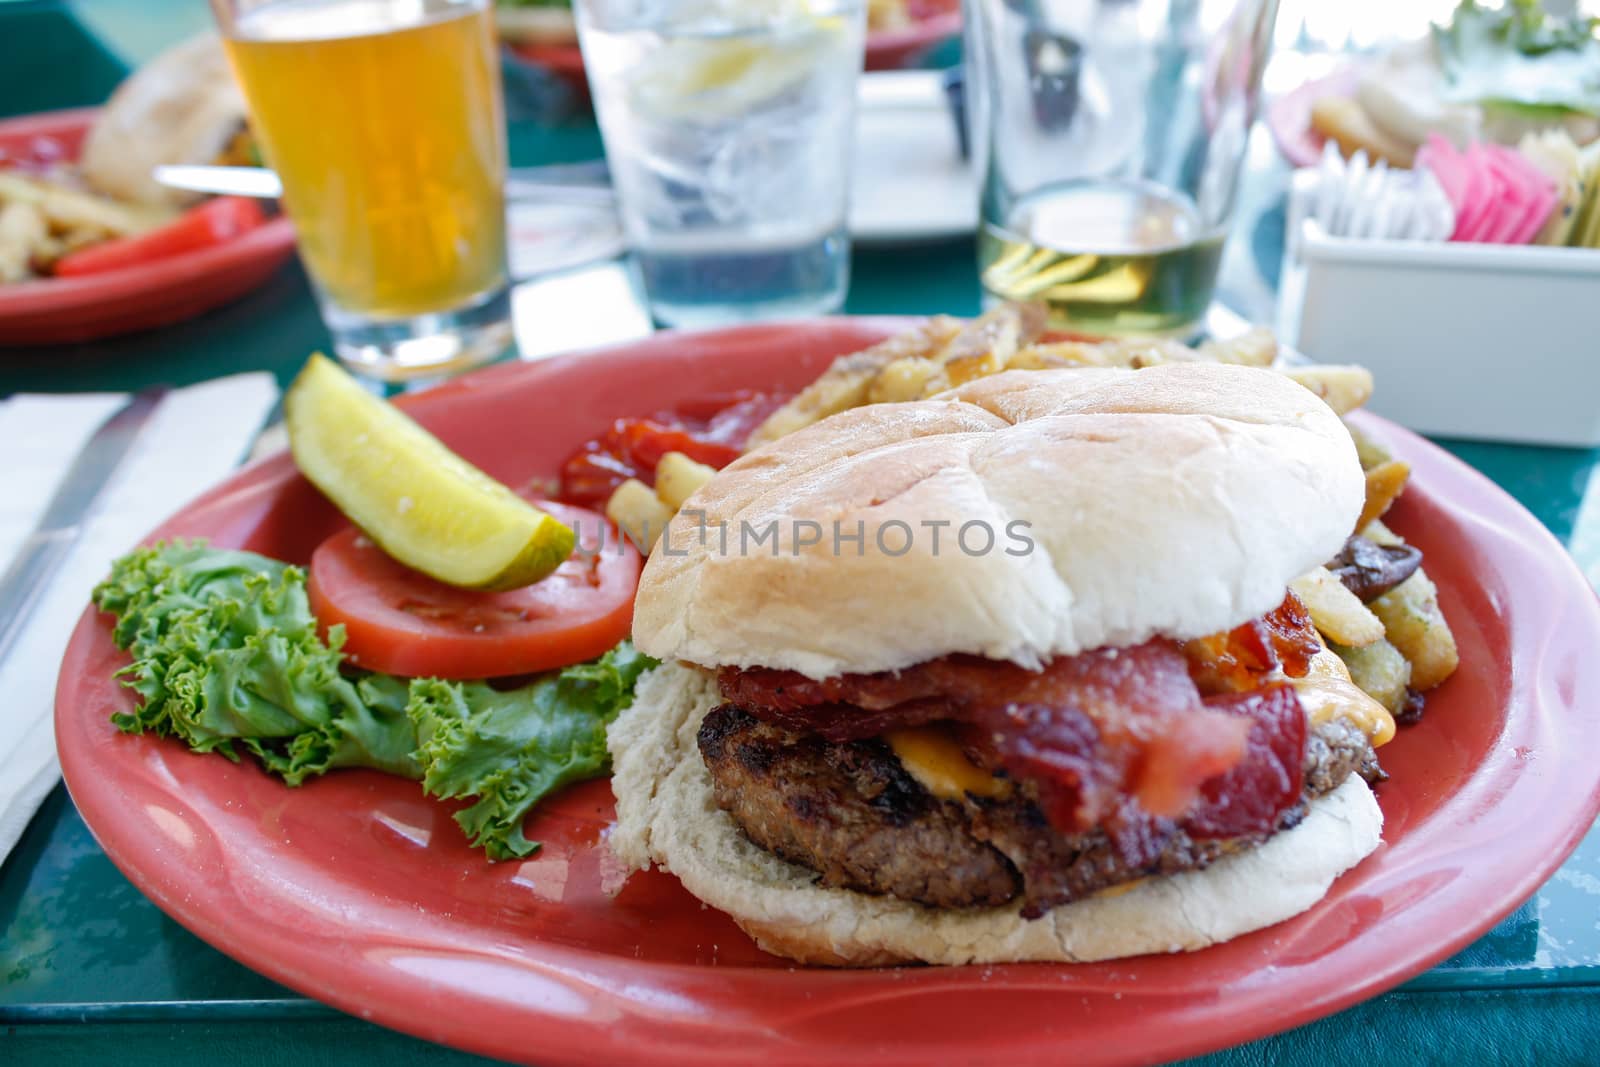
1123,737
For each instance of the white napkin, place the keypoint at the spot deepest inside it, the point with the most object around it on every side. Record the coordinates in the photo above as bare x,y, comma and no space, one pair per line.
192,441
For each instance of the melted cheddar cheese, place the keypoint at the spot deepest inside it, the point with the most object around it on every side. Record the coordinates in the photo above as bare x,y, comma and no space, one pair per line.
932,757
1327,691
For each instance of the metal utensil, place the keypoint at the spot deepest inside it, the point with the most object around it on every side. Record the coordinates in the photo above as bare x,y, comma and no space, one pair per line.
563,184
44,550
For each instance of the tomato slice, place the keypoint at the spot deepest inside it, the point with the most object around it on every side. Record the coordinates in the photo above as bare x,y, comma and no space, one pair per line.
400,621
211,223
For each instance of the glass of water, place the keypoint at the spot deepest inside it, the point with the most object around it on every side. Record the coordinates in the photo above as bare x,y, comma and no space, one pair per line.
1109,136
727,126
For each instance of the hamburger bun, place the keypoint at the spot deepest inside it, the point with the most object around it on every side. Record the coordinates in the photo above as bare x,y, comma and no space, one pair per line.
667,816
1177,501
181,107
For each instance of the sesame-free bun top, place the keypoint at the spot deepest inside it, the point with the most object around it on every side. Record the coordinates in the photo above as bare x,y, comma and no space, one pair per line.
1176,500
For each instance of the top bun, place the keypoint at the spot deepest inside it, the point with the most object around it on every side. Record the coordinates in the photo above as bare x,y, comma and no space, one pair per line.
1177,500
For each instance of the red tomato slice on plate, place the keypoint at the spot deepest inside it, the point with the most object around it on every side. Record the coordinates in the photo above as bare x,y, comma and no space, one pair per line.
400,621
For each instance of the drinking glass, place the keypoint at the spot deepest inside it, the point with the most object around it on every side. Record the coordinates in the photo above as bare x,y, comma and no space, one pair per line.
383,119
727,126
1109,136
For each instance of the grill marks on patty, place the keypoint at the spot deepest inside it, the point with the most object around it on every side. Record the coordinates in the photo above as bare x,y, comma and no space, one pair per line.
849,811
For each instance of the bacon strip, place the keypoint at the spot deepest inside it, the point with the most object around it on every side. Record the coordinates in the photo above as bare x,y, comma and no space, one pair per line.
1097,726
1122,739
1235,661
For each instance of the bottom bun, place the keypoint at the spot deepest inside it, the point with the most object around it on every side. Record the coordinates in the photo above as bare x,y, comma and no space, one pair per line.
666,815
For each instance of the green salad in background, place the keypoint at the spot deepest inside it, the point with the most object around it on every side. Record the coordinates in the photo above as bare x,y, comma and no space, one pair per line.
1520,56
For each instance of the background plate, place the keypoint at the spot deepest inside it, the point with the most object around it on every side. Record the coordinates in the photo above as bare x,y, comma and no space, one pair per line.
59,310
358,891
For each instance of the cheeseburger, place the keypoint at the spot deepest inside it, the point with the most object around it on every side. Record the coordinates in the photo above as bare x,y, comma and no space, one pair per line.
1008,674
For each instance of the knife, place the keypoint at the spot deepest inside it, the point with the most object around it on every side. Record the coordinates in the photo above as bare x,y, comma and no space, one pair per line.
43,551
565,183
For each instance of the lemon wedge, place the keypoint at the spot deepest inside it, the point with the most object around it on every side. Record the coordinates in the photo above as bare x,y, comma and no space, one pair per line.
716,78
420,502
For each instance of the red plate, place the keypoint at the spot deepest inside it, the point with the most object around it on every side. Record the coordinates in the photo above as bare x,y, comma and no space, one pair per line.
893,49
886,49
359,892
60,310
1289,116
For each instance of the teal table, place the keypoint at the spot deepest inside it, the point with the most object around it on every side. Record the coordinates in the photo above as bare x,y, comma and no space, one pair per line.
91,972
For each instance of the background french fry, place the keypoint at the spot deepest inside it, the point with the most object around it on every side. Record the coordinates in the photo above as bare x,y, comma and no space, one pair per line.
1256,347
904,379
66,208
1342,388
847,382
22,233
1369,450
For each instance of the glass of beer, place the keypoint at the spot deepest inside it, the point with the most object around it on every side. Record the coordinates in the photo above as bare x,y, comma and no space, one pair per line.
1109,136
384,122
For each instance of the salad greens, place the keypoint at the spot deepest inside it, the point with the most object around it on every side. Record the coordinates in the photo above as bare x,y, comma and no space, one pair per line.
226,656
1520,56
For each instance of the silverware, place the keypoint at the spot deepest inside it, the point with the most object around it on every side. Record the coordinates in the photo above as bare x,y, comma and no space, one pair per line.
258,182
566,184
41,555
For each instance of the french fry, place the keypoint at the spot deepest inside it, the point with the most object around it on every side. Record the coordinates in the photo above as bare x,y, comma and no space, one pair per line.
638,513
1379,534
1053,354
1256,347
677,477
1369,450
69,209
847,382
985,344
1337,612
1137,353
1385,482
1379,670
1342,388
22,235
904,379
1414,624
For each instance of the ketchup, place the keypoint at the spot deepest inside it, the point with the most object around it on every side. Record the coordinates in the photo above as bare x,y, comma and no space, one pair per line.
710,431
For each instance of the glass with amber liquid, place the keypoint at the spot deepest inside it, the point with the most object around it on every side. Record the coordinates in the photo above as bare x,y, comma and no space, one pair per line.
1109,136
384,122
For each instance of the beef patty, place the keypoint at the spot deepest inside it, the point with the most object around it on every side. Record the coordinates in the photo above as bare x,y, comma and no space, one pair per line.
852,813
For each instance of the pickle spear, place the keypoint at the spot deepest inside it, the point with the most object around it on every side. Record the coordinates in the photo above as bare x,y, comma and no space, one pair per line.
420,502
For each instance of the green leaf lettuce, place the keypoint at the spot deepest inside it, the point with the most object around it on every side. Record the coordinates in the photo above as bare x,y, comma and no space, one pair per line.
226,656
511,749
